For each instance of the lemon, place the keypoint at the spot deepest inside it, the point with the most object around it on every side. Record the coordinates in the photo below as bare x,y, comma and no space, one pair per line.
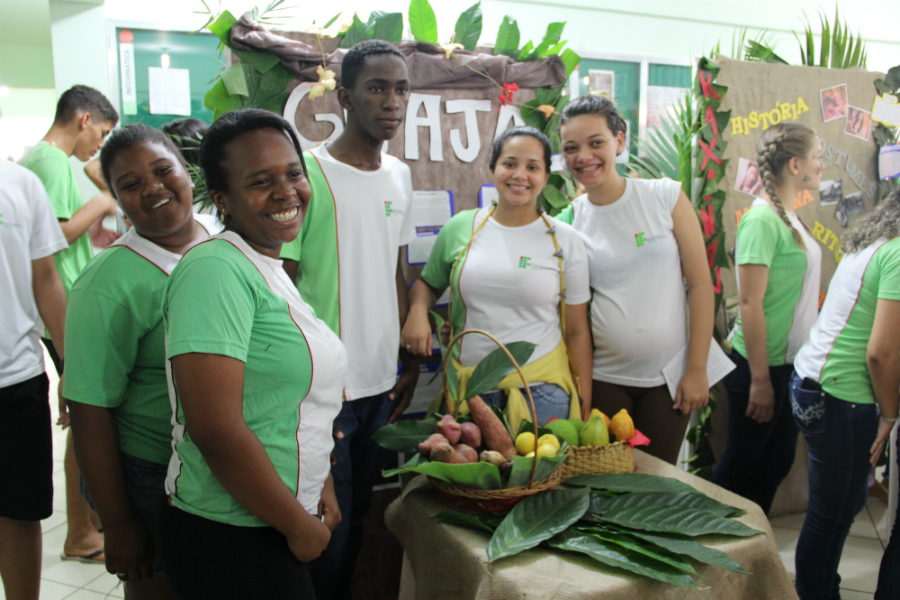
548,439
530,454
525,442
547,450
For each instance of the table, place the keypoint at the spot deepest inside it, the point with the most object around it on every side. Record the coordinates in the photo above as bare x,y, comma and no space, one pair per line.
448,561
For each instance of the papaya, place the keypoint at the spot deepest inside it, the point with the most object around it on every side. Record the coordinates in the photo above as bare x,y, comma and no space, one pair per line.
622,425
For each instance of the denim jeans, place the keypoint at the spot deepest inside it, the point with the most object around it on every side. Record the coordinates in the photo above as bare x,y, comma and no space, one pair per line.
758,455
839,435
889,573
354,475
550,401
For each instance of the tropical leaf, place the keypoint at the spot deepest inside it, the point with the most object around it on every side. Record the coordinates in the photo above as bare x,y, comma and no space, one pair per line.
220,101
614,555
677,519
385,26
551,38
234,80
555,198
525,52
601,504
422,22
535,519
468,27
615,537
483,521
759,52
521,469
507,37
404,436
495,366
221,27
479,475
452,381
416,460
570,59
356,33
260,60
690,548
439,322
332,20
632,482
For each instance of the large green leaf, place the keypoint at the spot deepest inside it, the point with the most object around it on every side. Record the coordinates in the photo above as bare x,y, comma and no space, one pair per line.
632,482
332,20
551,38
616,556
439,322
404,436
468,27
386,26
422,22
521,469
479,476
601,504
532,116
483,521
234,80
507,38
271,84
260,60
221,27
452,382
571,59
615,537
416,460
525,52
677,519
535,519
690,548
556,198
220,101
495,366
356,33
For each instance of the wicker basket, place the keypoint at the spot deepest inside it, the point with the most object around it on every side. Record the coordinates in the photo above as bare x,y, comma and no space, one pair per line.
613,458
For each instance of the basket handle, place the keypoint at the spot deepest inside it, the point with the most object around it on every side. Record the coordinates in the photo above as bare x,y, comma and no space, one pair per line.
455,409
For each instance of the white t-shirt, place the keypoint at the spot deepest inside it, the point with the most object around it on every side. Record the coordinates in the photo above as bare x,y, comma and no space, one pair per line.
368,246
29,230
509,284
638,314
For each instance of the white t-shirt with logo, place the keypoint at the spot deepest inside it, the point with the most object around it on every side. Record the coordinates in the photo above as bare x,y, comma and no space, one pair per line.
29,231
638,314
368,246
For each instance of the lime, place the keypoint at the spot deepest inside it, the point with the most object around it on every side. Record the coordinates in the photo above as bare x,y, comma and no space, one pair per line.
525,442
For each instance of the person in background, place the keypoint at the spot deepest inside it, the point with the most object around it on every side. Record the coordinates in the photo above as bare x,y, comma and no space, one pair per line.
359,221
29,237
643,243
889,573
84,117
848,369
779,271
255,383
493,250
117,391
186,134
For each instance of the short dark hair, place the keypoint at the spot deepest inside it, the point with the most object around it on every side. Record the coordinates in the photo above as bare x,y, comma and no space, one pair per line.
501,140
354,60
124,138
186,135
85,99
230,126
590,104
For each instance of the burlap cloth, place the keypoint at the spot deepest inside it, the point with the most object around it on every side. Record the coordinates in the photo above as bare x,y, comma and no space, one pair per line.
449,562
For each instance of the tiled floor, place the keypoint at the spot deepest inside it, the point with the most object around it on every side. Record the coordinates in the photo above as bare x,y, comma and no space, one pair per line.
77,581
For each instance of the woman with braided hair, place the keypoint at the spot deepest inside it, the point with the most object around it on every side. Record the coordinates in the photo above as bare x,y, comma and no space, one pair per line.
779,270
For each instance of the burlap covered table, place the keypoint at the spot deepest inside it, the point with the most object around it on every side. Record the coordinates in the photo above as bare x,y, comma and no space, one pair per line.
450,562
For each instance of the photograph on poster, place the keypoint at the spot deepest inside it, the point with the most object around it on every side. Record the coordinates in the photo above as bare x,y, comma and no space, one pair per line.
602,83
852,204
831,191
858,122
748,180
834,102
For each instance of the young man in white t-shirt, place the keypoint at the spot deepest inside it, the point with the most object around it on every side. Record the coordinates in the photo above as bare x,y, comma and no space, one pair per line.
346,264
29,237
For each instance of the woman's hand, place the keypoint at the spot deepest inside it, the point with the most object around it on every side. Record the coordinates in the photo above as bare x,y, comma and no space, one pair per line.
311,541
128,550
416,335
585,410
692,392
884,432
762,400
328,506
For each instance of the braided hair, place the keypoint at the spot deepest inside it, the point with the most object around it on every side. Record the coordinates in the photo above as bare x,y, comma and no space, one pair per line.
777,146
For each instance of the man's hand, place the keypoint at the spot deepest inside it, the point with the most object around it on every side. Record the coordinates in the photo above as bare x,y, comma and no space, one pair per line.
328,506
100,237
128,550
63,420
692,392
402,393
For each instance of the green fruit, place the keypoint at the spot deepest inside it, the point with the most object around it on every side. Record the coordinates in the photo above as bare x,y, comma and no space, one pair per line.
578,423
594,433
564,430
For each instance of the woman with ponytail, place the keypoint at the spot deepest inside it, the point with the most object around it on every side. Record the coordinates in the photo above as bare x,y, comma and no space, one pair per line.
779,270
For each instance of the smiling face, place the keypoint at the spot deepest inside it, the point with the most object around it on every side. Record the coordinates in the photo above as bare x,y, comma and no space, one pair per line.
377,102
590,149
153,189
268,193
520,173
91,137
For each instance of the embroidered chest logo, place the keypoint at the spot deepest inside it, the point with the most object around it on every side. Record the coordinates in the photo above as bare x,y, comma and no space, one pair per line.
524,262
388,210
639,239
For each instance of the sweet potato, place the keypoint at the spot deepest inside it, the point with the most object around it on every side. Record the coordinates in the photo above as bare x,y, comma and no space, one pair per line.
433,440
446,453
495,435
470,435
449,428
466,452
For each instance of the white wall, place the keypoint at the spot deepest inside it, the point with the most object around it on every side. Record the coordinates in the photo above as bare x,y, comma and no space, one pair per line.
658,28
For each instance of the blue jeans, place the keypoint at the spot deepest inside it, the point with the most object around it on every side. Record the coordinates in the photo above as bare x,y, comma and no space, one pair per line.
758,455
889,573
550,401
839,435
354,475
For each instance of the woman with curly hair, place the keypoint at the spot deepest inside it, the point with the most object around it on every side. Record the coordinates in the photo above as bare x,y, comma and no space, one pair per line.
848,370
779,270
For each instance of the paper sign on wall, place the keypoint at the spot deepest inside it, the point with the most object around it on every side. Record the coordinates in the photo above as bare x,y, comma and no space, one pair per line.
170,91
886,109
889,161
129,84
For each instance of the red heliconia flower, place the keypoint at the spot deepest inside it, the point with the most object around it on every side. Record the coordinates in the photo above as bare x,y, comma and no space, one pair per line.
503,100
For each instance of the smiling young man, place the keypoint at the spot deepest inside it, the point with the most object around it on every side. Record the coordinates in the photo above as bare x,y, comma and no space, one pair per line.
84,117
346,264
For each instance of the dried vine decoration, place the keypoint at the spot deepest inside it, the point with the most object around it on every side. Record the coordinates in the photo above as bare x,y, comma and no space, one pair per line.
777,146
